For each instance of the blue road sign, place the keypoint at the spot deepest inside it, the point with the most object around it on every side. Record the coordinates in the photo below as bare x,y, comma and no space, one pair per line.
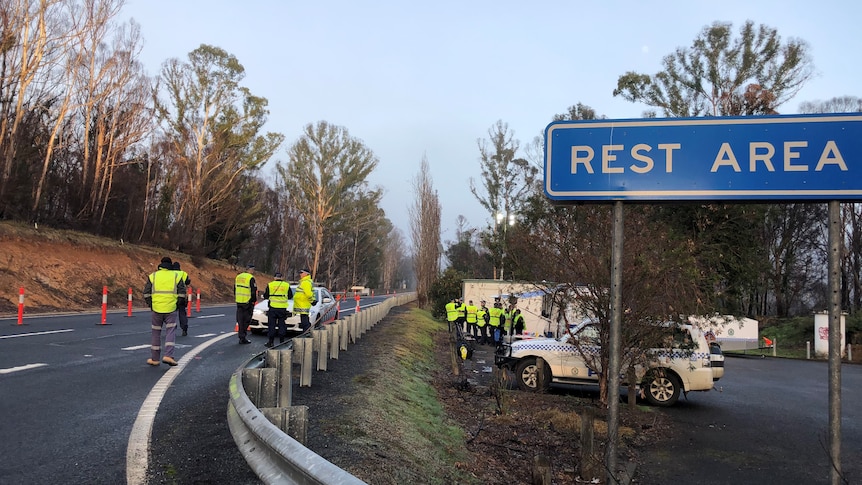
798,157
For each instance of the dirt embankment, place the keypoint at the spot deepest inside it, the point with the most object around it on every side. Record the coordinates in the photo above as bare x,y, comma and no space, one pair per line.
66,271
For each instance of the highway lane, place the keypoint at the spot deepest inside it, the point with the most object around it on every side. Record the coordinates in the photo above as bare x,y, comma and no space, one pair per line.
67,419
768,424
72,389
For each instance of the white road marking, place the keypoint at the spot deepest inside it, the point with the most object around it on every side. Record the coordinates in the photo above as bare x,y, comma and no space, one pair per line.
20,368
33,334
136,347
211,316
138,449
205,335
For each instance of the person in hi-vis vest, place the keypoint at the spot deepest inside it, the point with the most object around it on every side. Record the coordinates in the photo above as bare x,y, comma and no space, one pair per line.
245,289
278,293
164,291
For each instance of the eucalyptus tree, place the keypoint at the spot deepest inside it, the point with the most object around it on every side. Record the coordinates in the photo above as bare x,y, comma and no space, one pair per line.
506,178
723,75
212,127
720,74
326,167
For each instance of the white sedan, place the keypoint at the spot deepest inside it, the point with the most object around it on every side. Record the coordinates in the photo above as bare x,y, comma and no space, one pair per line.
323,311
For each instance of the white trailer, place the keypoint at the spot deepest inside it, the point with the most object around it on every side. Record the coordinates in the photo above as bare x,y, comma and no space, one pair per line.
541,311
732,333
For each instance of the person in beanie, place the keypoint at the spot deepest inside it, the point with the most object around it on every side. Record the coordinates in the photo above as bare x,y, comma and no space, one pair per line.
181,311
303,299
164,291
278,293
246,296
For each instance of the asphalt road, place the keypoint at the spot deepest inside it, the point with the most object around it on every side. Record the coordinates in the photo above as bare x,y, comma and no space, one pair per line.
73,388
71,391
768,424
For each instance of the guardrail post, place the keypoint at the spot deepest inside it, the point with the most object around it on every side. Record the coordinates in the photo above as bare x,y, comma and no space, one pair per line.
303,347
321,347
285,369
268,387
334,331
345,326
363,317
251,384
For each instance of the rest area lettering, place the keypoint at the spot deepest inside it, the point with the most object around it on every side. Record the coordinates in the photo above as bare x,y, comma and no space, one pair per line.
643,158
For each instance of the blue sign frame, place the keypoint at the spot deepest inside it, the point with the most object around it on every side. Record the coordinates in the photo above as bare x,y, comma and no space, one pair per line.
782,157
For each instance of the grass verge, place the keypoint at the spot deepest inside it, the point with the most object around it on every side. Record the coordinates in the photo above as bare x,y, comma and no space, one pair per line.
402,406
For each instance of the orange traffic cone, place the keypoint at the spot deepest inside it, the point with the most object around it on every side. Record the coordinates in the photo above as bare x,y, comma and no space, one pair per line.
767,341
236,328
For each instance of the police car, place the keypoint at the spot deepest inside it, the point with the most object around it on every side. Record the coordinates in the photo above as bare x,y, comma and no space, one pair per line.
324,311
689,364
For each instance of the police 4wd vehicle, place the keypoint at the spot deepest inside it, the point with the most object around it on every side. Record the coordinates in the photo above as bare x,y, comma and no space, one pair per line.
686,364
324,310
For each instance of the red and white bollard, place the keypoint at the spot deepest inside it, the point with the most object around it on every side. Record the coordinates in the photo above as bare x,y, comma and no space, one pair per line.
357,302
21,306
189,304
338,302
130,303
104,306
198,307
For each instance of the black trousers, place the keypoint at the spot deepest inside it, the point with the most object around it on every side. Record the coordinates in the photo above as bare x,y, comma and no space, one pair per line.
243,318
275,323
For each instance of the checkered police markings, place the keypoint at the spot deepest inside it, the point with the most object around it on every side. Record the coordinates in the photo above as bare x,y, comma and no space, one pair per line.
556,346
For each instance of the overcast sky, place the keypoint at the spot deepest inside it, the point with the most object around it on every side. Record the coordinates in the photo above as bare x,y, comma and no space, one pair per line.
428,79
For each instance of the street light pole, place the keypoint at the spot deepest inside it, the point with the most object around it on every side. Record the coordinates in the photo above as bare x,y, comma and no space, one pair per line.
506,219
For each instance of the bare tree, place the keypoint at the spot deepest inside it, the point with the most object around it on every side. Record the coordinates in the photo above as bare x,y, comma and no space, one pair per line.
851,214
30,32
425,232
393,254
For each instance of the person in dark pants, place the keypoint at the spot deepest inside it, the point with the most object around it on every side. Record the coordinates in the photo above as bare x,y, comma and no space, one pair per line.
182,312
246,297
278,293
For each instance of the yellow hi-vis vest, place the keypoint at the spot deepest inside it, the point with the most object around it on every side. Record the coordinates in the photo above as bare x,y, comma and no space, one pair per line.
243,287
480,316
451,311
495,314
471,313
278,293
303,296
164,294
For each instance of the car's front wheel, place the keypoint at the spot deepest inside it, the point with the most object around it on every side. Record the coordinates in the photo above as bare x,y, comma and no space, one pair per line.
527,375
662,388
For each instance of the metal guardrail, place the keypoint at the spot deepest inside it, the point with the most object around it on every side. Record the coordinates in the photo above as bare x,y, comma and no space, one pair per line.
267,429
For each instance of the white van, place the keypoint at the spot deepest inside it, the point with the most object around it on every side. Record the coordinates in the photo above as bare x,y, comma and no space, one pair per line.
684,368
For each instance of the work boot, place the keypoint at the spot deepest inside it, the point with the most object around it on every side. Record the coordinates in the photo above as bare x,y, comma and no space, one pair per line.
169,360
244,341
185,332
152,362
268,343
